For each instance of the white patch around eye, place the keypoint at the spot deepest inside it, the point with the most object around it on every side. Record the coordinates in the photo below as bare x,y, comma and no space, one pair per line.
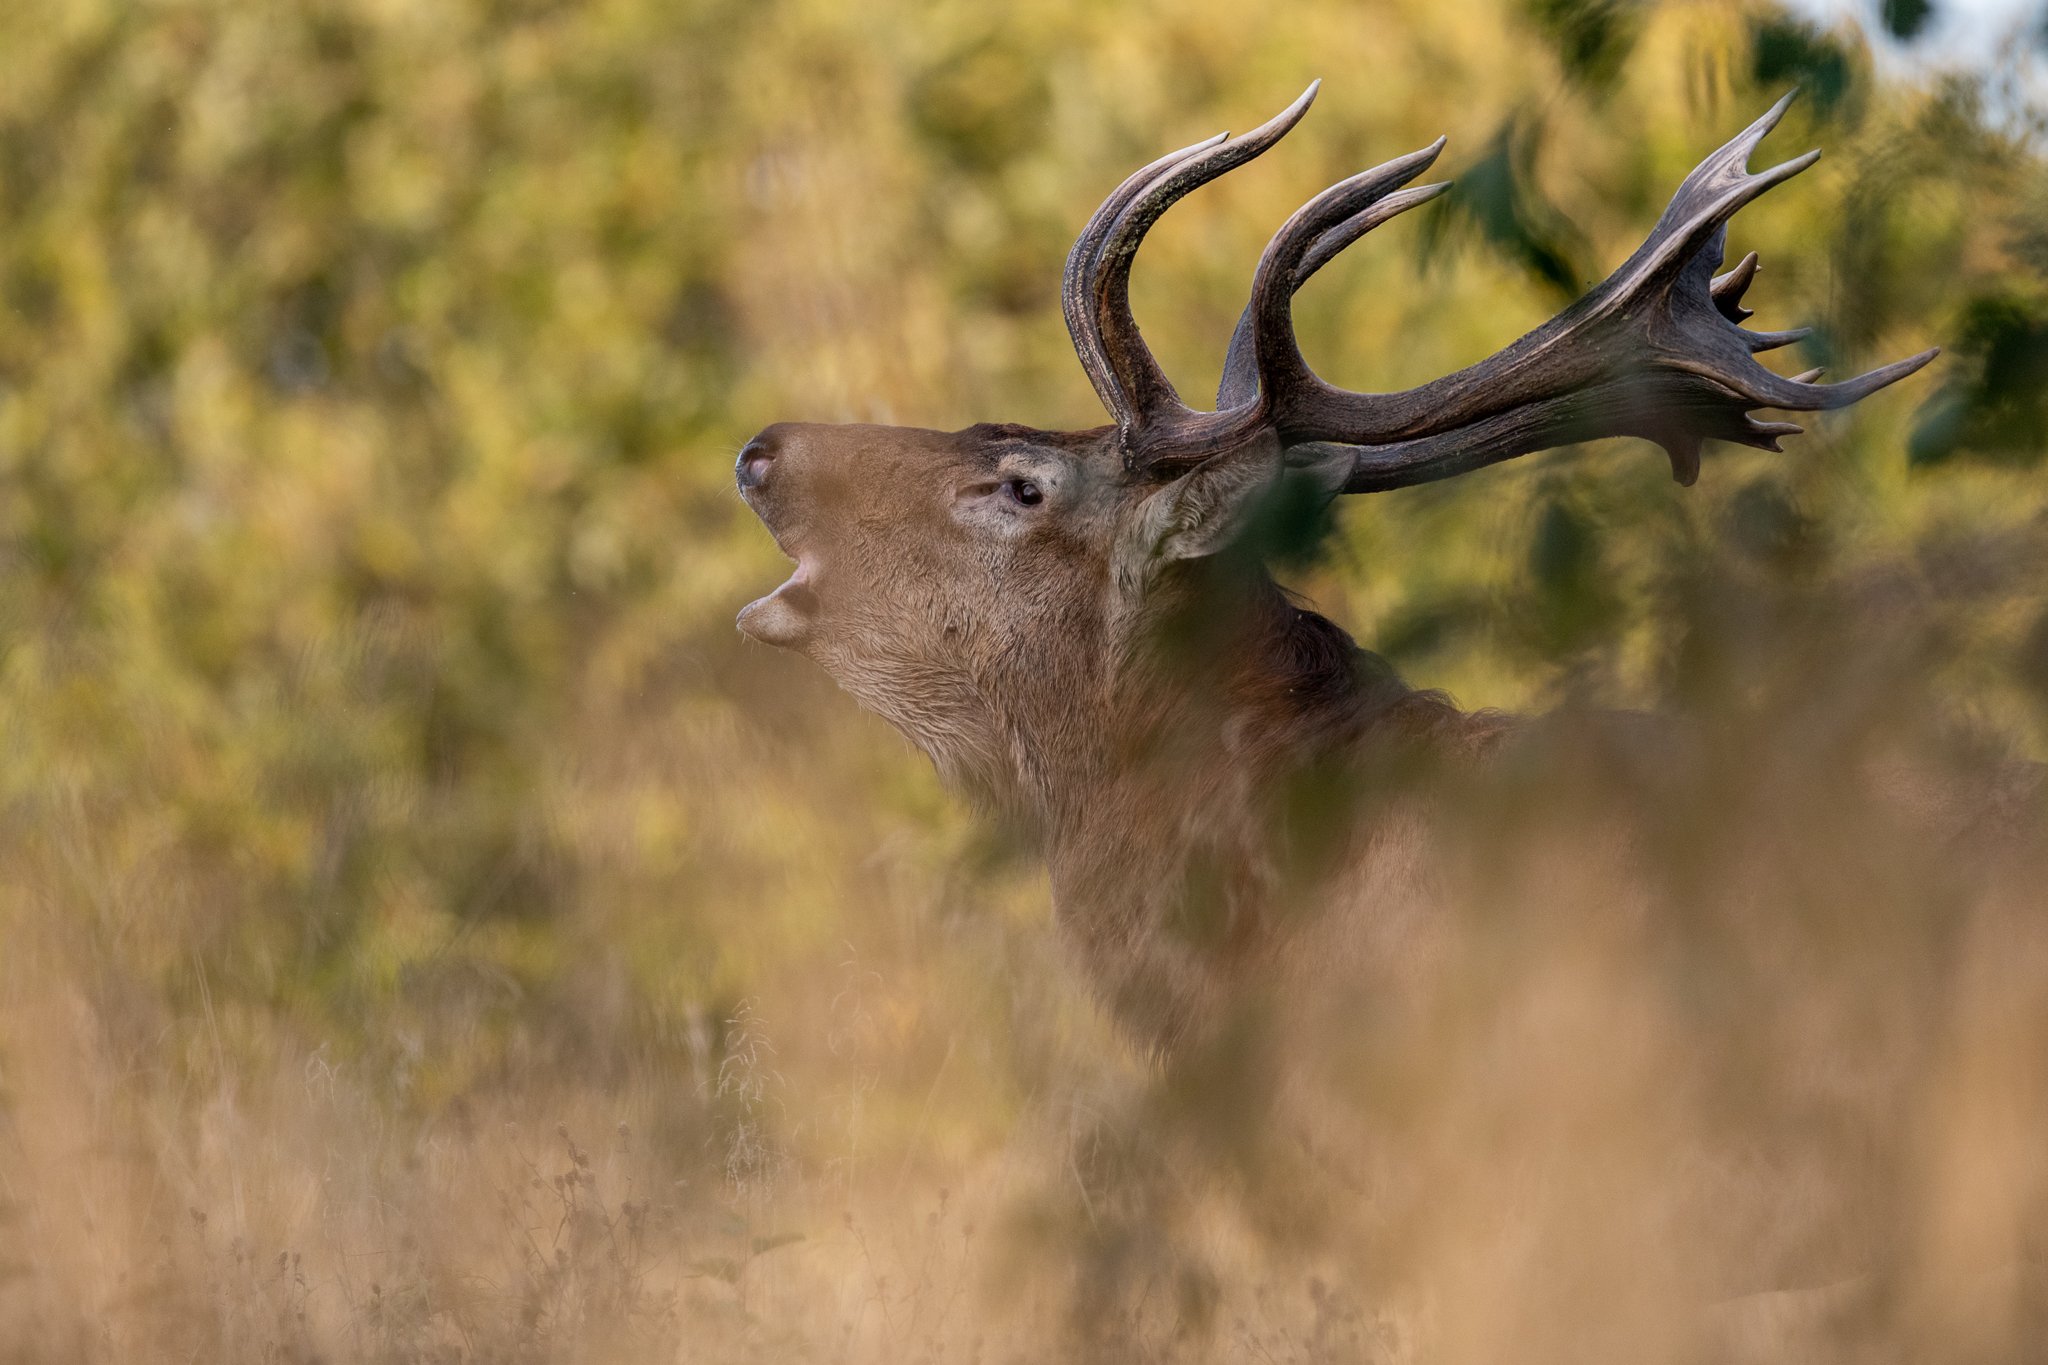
988,509
993,506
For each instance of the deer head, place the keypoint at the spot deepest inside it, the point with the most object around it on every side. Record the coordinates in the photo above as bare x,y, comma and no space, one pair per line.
995,591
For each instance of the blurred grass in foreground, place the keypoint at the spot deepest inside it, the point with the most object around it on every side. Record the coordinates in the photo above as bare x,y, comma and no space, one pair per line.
430,934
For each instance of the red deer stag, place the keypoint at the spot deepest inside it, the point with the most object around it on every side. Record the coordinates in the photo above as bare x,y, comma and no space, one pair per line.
1005,595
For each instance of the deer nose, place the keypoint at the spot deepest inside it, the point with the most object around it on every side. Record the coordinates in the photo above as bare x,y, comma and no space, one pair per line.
752,468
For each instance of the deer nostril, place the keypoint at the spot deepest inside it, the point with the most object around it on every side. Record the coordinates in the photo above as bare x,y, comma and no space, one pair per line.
752,468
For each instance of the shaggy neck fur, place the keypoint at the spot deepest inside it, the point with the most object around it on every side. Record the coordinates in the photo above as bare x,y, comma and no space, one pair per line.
1213,775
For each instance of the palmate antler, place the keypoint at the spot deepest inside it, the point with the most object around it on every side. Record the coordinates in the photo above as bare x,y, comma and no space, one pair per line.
1653,351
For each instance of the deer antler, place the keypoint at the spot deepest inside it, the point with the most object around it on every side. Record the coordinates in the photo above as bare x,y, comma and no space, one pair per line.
1654,351
1095,292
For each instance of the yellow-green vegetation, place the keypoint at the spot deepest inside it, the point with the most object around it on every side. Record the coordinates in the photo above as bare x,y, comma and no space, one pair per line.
429,932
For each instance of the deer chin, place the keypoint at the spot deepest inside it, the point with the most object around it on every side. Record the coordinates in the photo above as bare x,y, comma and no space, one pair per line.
784,618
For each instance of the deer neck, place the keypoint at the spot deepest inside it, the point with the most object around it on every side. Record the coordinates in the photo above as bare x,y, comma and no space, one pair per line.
1168,846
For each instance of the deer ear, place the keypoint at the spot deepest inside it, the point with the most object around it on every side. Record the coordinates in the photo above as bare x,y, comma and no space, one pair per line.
1236,495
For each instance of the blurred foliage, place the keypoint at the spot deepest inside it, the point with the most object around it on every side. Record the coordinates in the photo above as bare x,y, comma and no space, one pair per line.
1787,51
1497,199
1906,19
1996,402
370,375
1592,38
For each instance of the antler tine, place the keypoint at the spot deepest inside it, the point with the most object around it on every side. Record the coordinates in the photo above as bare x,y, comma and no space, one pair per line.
1240,383
1771,341
1075,298
1728,289
1801,394
1704,202
1134,388
1283,268
1731,158
1327,247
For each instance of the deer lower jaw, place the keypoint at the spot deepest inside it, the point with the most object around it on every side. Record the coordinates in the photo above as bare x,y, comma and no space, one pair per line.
784,617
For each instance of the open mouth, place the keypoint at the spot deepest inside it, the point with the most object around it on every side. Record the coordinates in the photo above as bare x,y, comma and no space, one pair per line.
785,616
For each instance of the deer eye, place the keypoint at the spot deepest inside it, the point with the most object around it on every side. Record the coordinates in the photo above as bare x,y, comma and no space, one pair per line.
1025,492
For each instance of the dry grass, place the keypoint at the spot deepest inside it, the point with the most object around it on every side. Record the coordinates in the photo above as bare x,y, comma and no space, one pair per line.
1713,1056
